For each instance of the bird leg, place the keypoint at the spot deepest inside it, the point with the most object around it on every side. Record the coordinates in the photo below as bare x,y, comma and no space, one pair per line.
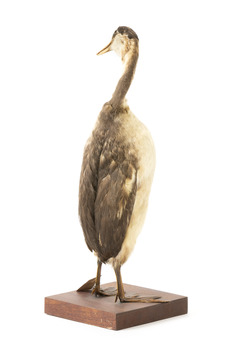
96,288
135,298
94,285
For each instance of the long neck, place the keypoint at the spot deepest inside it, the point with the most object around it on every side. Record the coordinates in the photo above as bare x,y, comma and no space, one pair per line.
130,62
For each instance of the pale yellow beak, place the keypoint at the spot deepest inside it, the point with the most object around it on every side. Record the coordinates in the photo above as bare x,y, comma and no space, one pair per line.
106,49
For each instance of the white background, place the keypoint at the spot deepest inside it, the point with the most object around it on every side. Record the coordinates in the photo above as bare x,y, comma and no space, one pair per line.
52,88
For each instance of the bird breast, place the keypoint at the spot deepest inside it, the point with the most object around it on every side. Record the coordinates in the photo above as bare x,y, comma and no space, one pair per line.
135,133
142,147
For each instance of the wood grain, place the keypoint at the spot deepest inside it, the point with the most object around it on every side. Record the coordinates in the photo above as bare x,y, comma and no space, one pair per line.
104,312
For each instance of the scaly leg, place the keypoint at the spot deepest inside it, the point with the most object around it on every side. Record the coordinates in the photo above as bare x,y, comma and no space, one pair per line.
135,298
96,288
94,285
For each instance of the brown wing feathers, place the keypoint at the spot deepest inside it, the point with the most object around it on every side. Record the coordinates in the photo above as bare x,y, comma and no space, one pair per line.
87,194
108,185
113,207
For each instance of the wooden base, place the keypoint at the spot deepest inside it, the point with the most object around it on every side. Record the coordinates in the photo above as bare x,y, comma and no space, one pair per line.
104,312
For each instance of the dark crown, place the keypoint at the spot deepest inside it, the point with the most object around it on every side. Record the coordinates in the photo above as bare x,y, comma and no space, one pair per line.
126,30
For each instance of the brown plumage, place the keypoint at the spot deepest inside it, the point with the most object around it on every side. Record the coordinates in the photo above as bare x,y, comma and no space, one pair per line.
116,175
107,164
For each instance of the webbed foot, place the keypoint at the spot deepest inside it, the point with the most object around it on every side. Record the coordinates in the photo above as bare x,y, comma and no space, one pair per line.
140,299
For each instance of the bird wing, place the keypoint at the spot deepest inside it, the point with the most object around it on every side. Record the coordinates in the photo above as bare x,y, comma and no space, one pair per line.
87,193
115,198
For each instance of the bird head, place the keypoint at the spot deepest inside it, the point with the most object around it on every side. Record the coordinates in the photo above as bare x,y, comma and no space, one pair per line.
122,40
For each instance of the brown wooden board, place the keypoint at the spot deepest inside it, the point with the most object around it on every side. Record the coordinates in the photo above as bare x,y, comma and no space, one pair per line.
104,312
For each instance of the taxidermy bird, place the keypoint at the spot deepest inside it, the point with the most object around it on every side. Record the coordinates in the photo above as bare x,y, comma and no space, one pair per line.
116,175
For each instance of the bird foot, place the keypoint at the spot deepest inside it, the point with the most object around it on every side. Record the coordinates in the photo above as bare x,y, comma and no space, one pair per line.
140,299
107,292
95,289
87,286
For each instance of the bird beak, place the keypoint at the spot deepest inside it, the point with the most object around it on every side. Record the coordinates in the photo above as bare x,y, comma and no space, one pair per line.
106,49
